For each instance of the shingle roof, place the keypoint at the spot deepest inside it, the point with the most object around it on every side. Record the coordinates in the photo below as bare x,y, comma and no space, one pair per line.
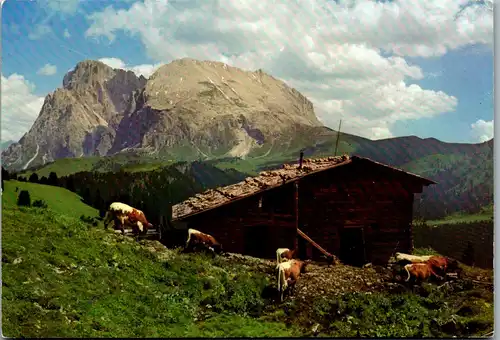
252,185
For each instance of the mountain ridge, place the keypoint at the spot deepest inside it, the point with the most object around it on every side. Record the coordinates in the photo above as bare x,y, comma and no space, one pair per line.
203,106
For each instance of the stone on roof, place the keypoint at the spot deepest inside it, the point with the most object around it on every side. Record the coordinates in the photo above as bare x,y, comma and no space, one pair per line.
252,185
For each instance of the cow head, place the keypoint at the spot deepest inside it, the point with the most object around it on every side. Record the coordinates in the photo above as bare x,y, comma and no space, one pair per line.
218,249
452,264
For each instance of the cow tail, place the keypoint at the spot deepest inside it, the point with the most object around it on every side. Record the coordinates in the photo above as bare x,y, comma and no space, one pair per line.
406,268
280,290
282,281
189,239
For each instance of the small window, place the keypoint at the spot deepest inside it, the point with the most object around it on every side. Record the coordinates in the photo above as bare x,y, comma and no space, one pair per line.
260,202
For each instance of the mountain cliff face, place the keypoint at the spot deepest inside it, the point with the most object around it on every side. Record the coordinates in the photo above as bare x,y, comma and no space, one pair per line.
78,119
212,108
188,106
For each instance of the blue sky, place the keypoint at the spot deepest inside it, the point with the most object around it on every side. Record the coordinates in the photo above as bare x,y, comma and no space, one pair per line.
386,69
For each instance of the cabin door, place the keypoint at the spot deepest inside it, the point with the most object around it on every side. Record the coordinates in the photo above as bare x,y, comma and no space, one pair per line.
257,241
352,246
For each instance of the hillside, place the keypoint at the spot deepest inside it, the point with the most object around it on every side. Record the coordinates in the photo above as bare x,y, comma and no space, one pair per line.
62,277
464,172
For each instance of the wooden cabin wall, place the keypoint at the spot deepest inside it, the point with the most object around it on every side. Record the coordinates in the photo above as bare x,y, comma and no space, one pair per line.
252,226
350,196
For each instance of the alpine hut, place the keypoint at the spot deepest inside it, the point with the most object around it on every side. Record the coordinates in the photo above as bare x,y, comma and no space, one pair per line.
352,207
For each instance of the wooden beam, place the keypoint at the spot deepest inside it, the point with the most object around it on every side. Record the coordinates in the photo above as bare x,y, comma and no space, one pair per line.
314,244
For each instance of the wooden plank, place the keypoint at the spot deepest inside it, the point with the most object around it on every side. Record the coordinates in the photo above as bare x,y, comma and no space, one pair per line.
314,244
353,226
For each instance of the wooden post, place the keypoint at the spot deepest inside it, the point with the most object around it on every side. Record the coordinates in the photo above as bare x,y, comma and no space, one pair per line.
338,136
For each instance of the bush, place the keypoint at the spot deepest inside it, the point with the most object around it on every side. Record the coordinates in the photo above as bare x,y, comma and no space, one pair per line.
89,220
53,180
40,204
24,198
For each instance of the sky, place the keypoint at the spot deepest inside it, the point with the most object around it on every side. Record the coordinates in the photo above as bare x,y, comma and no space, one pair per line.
386,68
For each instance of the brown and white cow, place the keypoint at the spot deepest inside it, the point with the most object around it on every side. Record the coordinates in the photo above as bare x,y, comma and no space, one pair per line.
197,238
284,254
124,214
288,274
420,271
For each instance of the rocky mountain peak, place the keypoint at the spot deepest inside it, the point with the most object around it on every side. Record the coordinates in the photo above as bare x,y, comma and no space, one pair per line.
199,108
87,73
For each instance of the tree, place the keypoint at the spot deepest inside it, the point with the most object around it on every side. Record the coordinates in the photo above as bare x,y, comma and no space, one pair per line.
24,198
5,174
98,202
53,180
87,197
33,178
43,180
70,184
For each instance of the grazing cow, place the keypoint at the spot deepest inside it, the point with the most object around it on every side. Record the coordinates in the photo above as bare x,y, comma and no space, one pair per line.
288,274
443,264
420,271
122,213
411,258
284,254
196,237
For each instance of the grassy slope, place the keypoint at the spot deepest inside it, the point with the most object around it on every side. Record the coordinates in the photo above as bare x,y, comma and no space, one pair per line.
127,161
485,214
60,200
62,277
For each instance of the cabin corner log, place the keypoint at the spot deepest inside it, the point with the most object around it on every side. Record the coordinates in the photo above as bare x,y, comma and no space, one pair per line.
296,201
314,244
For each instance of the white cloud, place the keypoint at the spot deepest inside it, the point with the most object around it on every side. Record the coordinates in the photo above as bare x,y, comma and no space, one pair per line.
47,70
145,69
39,31
20,106
346,56
113,62
66,34
482,131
